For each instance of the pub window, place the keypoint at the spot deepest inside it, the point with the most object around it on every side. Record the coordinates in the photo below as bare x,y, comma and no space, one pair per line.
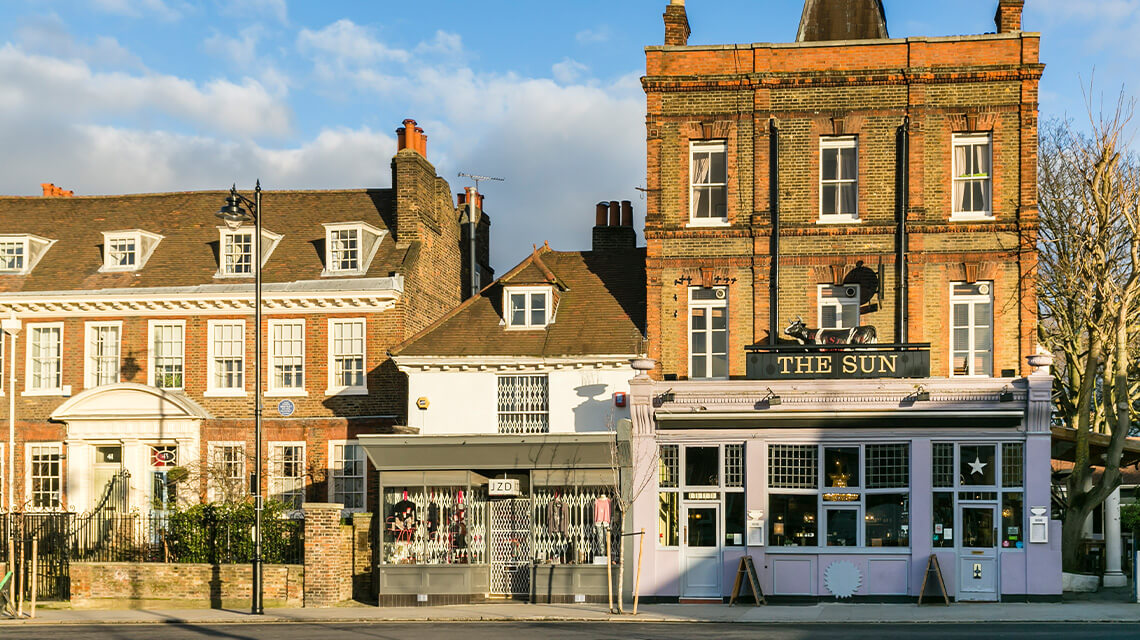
989,472
942,464
838,178
705,473
708,332
972,328
1012,464
976,465
838,306
708,182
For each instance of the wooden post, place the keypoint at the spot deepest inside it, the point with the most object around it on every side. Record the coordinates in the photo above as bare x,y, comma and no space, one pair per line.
637,578
12,568
35,571
20,582
609,572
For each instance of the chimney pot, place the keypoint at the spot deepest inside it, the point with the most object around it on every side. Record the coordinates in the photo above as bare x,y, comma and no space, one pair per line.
411,137
601,214
50,190
615,213
626,213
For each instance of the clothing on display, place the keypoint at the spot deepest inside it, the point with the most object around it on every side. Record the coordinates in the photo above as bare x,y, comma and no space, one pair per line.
558,515
602,511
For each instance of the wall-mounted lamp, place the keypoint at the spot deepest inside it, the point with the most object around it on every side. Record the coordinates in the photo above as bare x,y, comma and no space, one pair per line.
920,394
771,399
1006,395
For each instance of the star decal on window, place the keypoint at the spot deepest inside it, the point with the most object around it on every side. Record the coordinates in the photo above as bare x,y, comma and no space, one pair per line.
977,466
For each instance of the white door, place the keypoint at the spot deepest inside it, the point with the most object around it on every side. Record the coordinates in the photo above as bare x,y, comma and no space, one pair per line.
978,553
700,551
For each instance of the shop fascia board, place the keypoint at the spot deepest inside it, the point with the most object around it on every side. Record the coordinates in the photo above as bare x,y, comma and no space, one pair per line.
502,363
689,418
499,451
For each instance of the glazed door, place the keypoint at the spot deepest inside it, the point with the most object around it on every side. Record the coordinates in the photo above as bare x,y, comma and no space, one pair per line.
700,551
978,553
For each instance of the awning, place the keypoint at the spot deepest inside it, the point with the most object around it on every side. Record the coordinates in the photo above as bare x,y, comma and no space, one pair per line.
1065,445
489,451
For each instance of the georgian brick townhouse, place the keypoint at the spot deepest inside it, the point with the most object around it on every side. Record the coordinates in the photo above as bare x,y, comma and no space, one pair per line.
136,341
884,189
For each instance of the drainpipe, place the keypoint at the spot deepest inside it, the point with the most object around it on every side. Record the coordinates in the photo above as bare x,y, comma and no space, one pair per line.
903,199
774,250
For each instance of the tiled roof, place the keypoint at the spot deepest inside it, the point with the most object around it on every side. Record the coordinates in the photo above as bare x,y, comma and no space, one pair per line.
188,254
600,311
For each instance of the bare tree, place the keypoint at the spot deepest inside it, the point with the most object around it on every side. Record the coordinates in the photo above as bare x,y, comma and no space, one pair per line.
1088,289
633,471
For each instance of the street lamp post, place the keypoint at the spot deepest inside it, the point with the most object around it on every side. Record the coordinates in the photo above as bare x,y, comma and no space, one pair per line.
235,216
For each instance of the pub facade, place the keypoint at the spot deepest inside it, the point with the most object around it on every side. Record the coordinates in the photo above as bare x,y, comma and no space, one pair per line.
840,232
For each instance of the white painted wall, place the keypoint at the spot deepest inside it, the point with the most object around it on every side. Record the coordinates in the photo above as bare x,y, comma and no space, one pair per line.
581,400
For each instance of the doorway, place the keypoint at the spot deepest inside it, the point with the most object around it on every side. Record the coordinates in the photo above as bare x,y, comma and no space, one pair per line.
108,464
701,551
978,552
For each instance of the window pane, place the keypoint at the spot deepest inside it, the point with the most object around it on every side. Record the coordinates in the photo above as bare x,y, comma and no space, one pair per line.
699,317
847,194
702,202
942,471
978,528
888,466
700,343
792,466
701,525
669,466
792,520
976,465
841,527
1011,520
943,517
841,467
719,342
719,366
734,465
700,367
537,309
888,520
718,197
719,173
702,466
829,202
518,309
734,518
829,159
719,318
828,317
848,169
667,526
1012,464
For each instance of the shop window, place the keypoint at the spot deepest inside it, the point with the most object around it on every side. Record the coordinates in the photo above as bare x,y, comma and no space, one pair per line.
713,473
976,465
1012,512
838,306
167,354
708,332
972,179
287,474
1012,464
838,179
887,520
972,328
734,518
668,529
702,466
435,525
45,475
571,523
792,520
942,464
888,466
841,467
793,466
708,177
523,405
943,516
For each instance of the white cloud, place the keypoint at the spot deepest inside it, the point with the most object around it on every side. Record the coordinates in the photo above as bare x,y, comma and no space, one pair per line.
347,43
139,8
593,36
444,43
255,9
1104,25
242,49
48,35
41,87
568,70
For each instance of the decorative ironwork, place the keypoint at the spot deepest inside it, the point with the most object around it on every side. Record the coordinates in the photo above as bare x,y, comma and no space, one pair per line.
524,404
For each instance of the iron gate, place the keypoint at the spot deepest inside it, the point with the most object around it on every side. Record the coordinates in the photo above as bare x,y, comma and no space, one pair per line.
51,531
510,547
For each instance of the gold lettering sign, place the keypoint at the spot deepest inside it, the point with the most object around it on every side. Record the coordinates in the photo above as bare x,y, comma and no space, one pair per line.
841,497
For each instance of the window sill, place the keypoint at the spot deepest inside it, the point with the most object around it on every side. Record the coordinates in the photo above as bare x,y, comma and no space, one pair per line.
971,217
525,327
347,391
43,392
232,276
877,551
706,222
224,393
326,273
286,393
838,219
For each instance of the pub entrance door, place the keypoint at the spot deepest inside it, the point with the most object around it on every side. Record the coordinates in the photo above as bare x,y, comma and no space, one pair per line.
978,552
701,551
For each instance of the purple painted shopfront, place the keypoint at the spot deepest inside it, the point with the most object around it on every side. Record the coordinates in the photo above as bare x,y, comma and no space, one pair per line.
845,488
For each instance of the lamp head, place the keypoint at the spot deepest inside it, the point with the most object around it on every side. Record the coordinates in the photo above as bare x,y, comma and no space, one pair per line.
233,214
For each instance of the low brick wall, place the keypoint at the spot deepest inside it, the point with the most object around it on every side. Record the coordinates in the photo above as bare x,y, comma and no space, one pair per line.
129,585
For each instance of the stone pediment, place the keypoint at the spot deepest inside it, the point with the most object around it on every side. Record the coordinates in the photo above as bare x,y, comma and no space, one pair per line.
129,401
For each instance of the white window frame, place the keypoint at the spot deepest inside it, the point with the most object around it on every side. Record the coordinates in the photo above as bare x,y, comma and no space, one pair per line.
152,353
144,244
841,143
273,388
720,302
29,494
29,390
706,146
333,474
214,453
335,388
228,268
32,248
211,389
530,293
368,239
269,242
17,254
973,301
970,140
838,300
92,365
275,480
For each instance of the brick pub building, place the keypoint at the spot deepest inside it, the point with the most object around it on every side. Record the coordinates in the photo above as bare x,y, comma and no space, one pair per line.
847,180
136,337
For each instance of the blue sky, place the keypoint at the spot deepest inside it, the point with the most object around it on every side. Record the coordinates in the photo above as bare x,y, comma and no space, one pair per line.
123,96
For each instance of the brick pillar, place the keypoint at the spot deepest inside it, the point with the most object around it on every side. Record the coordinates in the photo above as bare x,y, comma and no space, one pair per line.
328,556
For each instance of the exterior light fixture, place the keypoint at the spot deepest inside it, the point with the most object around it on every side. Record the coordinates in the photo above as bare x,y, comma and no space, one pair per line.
1006,395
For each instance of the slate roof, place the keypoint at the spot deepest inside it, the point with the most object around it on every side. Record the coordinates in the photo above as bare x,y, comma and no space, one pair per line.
842,20
188,254
600,311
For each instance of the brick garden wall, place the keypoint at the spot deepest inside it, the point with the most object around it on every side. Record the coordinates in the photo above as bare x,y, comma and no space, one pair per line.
132,585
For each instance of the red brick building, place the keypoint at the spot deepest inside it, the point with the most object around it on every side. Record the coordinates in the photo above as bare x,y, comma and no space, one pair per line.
136,338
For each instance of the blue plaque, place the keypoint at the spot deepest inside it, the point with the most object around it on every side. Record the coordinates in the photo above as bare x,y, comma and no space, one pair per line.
286,408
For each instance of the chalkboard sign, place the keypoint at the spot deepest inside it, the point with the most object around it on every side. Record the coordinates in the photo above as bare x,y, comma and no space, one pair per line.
932,569
747,569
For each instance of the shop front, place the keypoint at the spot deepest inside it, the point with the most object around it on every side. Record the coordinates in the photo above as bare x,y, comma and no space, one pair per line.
483,517
848,488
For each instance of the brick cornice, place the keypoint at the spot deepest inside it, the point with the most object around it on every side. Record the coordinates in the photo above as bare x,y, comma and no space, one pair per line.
917,75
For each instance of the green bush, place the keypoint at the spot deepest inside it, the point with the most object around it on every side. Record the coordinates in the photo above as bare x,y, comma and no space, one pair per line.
222,533
1130,517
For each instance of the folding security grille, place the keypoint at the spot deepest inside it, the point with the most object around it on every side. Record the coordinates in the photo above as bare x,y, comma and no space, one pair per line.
523,404
793,466
1012,464
510,546
566,527
447,526
734,465
942,464
669,466
888,466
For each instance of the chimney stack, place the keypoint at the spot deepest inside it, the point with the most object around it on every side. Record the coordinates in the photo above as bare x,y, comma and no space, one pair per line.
676,24
613,229
1008,16
411,137
50,190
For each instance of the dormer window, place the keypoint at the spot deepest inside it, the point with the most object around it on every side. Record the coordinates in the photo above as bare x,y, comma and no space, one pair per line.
236,251
20,253
350,247
128,250
528,307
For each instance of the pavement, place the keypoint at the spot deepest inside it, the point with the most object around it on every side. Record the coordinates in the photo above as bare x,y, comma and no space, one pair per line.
830,612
